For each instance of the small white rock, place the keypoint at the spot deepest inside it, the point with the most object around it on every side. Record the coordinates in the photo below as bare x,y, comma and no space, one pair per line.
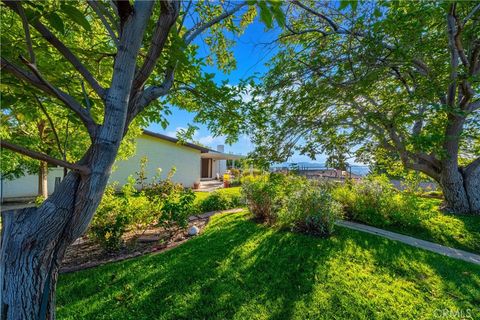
193,231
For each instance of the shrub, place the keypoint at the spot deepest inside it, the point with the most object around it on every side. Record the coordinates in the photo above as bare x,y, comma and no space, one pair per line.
176,209
110,221
161,201
375,201
311,210
262,197
266,195
235,172
216,201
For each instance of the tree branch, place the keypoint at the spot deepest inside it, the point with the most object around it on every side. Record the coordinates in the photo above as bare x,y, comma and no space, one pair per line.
67,54
26,28
329,21
191,34
151,93
168,15
39,82
94,6
50,121
124,9
472,166
471,14
43,157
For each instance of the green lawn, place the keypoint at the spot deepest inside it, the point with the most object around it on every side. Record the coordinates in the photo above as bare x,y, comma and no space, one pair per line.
228,191
241,270
457,231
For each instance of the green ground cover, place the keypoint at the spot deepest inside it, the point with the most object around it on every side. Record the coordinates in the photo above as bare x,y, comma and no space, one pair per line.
238,269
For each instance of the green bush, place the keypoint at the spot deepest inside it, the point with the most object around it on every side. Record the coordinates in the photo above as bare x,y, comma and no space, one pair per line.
110,221
262,197
176,209
266,195
161,202
311,210
217,201
375,201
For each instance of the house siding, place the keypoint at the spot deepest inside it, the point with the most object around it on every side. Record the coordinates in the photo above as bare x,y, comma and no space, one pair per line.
160,154
27,186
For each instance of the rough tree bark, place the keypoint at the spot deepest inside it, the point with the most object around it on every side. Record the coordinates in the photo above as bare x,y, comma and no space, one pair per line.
34,240
461,190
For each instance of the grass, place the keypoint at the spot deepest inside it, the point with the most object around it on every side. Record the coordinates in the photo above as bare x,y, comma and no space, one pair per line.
457,231
228,191
238,269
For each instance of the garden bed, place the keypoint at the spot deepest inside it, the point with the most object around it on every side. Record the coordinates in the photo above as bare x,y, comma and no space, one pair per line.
86,253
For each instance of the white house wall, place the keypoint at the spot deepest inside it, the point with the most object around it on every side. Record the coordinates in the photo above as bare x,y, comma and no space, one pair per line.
218,166
161,154
27,186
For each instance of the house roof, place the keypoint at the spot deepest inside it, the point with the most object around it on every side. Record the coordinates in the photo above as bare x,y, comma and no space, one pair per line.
206,152
174,140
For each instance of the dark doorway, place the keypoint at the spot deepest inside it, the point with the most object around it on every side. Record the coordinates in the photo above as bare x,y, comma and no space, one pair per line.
206,168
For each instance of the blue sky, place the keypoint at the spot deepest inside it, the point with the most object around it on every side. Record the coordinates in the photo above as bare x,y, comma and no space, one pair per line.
251,53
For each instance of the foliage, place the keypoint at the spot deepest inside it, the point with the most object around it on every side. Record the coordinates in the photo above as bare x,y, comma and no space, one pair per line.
110,221
176,209
39,200
375,201
386,88
262,197
216,201
311,210
237,269
162,202
266,195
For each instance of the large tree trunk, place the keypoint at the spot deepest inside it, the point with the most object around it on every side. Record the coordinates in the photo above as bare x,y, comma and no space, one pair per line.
461,189
34,240
43,180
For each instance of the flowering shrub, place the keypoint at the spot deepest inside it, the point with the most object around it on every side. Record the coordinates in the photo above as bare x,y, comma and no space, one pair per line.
160,202
310,210
110,222
266,195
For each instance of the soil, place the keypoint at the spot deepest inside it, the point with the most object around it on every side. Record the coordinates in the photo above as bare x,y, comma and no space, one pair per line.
86,253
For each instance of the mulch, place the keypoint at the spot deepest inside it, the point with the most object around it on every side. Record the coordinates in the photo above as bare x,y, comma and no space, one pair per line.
85,253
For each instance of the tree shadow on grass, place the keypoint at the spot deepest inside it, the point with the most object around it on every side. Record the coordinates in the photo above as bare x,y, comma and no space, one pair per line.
239,269
452,284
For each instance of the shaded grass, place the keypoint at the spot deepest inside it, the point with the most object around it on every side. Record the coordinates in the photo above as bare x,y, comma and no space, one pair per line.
241,270
457,231
201,195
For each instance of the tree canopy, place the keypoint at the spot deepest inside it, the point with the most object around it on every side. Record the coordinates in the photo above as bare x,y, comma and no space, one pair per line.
377,80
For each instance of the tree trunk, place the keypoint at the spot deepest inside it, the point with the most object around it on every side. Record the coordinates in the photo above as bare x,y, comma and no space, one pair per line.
34,240
461,190
43,180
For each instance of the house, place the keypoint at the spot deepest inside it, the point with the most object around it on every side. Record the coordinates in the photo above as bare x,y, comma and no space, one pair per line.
193,164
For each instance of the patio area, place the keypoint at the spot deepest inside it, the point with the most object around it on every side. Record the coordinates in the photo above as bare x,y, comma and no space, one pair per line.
210,185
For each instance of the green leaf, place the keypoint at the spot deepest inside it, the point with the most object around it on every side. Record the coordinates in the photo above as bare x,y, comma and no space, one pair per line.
56,22
265,14
279,15
77,16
